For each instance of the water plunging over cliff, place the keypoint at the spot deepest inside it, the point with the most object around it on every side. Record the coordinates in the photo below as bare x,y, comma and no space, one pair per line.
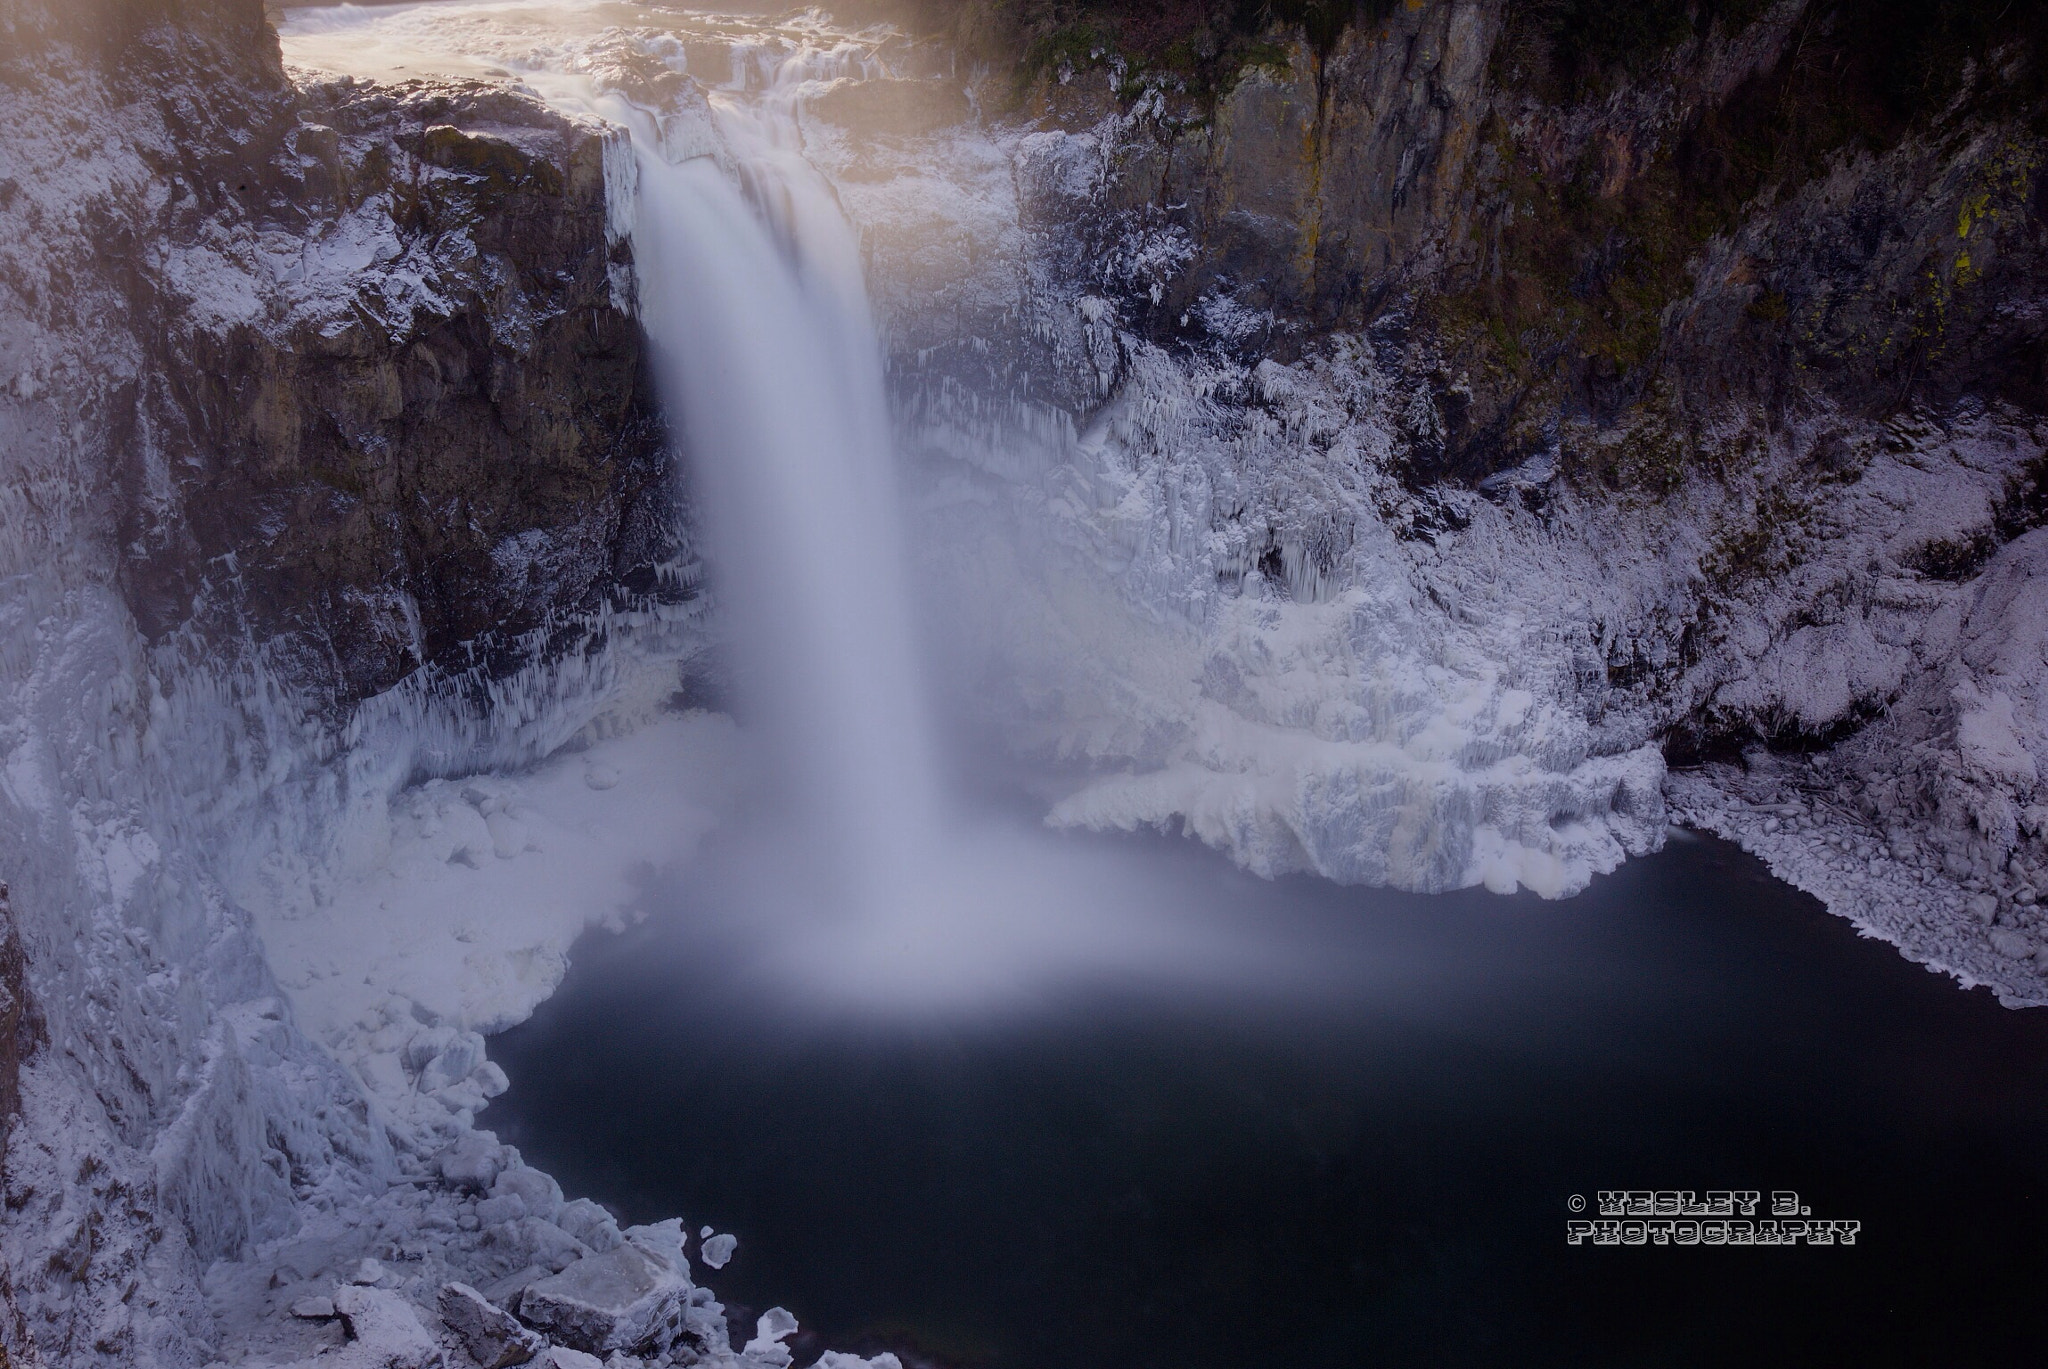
750,286
753,296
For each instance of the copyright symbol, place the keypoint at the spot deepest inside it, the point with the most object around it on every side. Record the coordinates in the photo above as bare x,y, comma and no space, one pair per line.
1577,1203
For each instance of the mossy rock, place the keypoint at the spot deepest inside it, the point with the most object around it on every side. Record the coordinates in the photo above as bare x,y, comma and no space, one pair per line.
498,161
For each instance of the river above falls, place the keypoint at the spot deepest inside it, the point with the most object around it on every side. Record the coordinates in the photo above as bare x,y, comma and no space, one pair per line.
1376,1169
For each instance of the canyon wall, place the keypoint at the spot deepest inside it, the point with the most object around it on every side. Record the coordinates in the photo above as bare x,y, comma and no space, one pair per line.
1686,372
328,461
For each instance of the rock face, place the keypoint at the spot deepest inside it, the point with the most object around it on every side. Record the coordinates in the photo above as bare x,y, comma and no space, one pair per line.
304,393
430,432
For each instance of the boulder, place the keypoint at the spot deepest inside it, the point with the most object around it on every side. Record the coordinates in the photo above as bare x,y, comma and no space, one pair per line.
384,1331
541,1194
590,1224
473,1163
623,1299
493,1337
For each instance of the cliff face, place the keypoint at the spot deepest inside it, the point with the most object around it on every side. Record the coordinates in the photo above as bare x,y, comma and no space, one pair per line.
302,393
1680,372
449,374
1754,213
1768,246
418,423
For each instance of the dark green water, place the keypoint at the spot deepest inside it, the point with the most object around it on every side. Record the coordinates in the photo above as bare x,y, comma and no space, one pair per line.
1371,1168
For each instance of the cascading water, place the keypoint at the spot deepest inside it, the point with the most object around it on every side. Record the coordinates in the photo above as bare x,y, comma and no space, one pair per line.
751,288
757,308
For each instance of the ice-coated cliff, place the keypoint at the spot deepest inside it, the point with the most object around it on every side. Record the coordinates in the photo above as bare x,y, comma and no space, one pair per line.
327,469
1433,445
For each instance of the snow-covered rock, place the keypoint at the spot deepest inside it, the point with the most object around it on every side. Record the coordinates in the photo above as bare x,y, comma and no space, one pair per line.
494,1338
623,1299
385,1332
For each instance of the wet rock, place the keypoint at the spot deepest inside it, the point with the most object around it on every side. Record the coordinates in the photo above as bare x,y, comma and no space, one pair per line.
494,1338
623,1299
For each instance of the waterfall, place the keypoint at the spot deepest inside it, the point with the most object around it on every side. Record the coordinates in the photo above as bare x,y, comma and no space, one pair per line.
753,297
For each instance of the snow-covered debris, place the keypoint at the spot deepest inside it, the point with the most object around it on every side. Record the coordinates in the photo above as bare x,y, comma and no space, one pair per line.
626,1298
562,1357
494,1338
385,1332
368,1273
473,1163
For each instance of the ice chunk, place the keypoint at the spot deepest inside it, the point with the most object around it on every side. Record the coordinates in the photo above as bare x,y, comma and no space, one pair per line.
313,1309
473,1163
664,1239
368,1272
775,1326
716,1250
542,1195
590,1224
509,1208
2010,944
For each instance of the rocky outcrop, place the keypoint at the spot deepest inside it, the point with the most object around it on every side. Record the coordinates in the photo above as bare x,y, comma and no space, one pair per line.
423,426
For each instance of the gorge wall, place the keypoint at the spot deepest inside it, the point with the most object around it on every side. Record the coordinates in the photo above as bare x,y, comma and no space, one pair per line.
329,465
1688,358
